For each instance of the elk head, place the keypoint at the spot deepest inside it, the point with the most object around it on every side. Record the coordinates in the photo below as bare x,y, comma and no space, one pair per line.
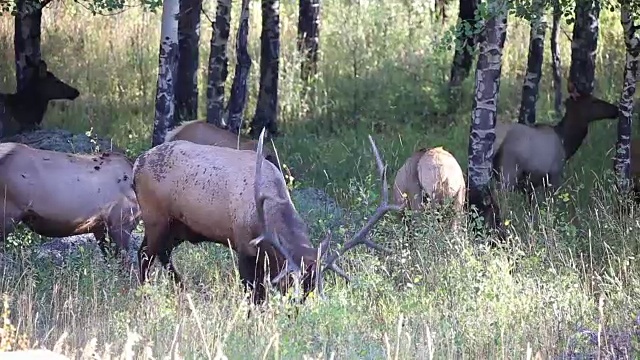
315,267
586,108
46,86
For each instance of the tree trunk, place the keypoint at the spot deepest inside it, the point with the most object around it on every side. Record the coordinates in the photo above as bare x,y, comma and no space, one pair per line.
441,11
463,56
534,65
309,37
26,39
487,84
188,60
556,62
239,95
167,71
267,105
622,159
218,64
584,45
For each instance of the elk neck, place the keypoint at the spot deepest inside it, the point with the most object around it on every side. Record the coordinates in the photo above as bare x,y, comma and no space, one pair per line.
572,134
283,219
25,109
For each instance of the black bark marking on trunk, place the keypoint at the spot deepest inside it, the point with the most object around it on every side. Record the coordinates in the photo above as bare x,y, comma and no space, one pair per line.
622,160
534,66
26,40
218,64
309,38
167,69
267,105
238,98
584,44
463,56
188,60
482,135
483,121
556,62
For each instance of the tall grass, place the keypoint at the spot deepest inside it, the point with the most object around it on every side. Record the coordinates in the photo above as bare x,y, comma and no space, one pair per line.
383,70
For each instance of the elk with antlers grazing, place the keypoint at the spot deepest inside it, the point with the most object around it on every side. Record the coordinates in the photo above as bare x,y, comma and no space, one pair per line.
57,194
24,110
529,154
430,174
201,132
199,193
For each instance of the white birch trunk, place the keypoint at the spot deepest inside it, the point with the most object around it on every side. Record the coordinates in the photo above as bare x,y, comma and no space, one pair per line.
167,71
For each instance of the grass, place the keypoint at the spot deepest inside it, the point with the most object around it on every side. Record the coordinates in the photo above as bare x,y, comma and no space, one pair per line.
383,71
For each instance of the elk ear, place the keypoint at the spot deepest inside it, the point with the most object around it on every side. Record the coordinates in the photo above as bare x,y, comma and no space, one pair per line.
42,69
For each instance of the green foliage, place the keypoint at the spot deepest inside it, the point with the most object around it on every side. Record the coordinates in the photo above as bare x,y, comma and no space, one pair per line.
95,7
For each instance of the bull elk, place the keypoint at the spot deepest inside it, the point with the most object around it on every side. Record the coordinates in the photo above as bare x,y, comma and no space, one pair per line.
24,110
232,197
529,154
432,174
201,132
57,194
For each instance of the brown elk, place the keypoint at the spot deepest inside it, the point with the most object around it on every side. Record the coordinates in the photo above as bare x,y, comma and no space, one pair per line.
57,194
201,132
529,154
201,193
634,168
432,174
24,110
501,129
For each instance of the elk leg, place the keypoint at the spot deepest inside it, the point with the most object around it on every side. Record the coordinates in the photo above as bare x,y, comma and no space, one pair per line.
156,233
251,270
145,259
165,259
10,218
120,233
102,241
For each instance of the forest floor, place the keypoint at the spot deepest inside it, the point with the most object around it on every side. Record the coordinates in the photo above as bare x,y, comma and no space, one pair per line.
566,286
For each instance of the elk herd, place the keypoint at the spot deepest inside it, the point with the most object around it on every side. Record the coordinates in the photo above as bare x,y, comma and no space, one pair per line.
205,184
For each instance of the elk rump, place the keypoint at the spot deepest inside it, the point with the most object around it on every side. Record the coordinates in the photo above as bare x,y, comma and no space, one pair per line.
57,194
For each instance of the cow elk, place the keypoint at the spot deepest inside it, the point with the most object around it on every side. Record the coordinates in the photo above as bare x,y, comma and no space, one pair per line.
201,132
634,169
57,194
197,193
24,110
530,154
430,175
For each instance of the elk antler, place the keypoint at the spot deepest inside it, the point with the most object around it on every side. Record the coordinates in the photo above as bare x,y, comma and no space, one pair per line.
361,236
290,264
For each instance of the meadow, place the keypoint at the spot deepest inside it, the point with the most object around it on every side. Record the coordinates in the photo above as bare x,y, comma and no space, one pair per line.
566,285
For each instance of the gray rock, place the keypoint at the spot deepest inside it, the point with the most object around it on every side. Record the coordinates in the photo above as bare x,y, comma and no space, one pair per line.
59,250
65,141
318,209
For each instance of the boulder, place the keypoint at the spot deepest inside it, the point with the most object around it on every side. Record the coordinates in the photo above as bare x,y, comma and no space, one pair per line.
315,205
59,250
65,141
